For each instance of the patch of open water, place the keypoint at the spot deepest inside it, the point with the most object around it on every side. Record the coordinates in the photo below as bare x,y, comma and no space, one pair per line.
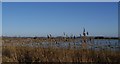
97,44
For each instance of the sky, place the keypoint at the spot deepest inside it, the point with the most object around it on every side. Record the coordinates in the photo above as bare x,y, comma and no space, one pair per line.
60,0
0,18
42,18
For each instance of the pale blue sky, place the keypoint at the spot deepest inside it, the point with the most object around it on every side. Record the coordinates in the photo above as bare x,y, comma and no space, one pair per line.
60,0
40,19
0,18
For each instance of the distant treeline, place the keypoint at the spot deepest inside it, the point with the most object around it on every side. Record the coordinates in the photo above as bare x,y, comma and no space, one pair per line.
95,37
105,37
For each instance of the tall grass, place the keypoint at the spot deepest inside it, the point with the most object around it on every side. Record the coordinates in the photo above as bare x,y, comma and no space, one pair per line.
26,54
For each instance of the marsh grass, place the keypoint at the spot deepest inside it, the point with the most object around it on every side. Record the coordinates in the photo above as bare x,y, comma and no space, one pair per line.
20,54
28,54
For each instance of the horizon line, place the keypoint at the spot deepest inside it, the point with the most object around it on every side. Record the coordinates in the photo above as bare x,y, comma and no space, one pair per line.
59,36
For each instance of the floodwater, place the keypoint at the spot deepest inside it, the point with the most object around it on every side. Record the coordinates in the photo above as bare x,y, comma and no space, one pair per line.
96,44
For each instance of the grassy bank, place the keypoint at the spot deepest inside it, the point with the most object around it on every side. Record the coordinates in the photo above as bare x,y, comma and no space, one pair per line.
29,54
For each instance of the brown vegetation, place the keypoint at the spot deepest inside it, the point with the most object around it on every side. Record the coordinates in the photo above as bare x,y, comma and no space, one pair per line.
26,54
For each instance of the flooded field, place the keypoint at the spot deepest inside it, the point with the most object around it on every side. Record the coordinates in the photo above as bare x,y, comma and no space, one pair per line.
60,50
96,44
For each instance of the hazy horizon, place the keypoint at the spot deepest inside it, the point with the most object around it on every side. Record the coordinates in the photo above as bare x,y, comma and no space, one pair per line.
42,18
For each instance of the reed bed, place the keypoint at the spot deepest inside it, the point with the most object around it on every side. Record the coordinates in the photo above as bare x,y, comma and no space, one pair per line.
51,54
25,54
